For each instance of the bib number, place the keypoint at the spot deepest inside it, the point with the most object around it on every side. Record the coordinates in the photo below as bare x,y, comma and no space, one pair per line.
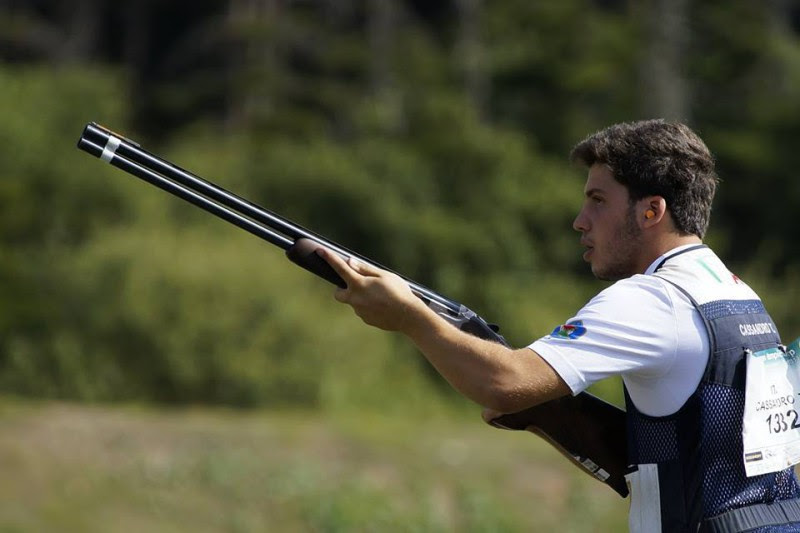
771,428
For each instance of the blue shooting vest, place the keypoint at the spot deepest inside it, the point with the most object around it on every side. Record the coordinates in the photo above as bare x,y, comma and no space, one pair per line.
690,463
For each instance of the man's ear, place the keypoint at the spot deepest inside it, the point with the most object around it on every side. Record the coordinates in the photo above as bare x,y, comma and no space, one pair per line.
651,210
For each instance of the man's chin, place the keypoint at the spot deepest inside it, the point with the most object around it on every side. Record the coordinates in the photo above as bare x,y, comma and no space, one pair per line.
598,273
609,273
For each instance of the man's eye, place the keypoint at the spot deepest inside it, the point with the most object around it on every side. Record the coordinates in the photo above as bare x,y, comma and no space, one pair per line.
597,199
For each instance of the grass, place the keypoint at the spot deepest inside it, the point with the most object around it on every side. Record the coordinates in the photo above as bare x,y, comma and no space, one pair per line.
85,468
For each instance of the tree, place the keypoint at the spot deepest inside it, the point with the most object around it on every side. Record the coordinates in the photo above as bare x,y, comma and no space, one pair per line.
665,92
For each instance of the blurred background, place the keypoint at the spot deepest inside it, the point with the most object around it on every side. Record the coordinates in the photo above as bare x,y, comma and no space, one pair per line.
163,370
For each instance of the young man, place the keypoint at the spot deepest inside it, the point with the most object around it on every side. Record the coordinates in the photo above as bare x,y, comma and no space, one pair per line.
677,326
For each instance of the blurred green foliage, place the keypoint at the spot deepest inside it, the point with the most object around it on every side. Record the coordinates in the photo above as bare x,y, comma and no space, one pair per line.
112,290
123,292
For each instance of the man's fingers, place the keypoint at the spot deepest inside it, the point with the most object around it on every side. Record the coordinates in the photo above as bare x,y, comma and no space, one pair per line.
490,414
342,295
346,272
365,269
348,269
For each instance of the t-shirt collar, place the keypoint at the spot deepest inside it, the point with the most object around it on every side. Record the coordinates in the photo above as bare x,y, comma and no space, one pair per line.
655,265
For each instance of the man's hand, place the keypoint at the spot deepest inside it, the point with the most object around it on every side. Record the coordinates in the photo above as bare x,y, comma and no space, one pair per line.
382,299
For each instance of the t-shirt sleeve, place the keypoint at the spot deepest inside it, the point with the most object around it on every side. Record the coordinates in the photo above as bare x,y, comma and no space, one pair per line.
629,328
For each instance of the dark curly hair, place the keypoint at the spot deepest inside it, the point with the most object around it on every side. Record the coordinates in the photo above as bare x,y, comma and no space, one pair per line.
658,158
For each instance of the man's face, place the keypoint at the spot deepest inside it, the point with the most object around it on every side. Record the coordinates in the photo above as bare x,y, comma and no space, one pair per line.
609,231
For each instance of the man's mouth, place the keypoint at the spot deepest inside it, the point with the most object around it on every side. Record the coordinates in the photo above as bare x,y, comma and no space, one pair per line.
589,249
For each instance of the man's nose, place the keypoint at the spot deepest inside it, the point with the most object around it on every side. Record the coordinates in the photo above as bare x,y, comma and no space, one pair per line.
580,223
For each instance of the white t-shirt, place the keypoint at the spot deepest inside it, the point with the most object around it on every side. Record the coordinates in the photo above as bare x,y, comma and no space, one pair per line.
641,328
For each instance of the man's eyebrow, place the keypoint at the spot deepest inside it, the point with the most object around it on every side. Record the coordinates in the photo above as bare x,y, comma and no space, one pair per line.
593,191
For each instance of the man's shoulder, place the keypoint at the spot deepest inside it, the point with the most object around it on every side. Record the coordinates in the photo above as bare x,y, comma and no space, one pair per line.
705,277
638,285
636,294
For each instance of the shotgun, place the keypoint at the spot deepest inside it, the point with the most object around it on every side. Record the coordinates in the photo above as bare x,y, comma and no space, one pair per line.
585,429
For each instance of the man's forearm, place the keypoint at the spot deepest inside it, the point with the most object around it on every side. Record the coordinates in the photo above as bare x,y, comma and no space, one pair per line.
486,372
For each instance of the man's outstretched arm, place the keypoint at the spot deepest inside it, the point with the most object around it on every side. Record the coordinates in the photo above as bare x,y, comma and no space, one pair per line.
490,374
